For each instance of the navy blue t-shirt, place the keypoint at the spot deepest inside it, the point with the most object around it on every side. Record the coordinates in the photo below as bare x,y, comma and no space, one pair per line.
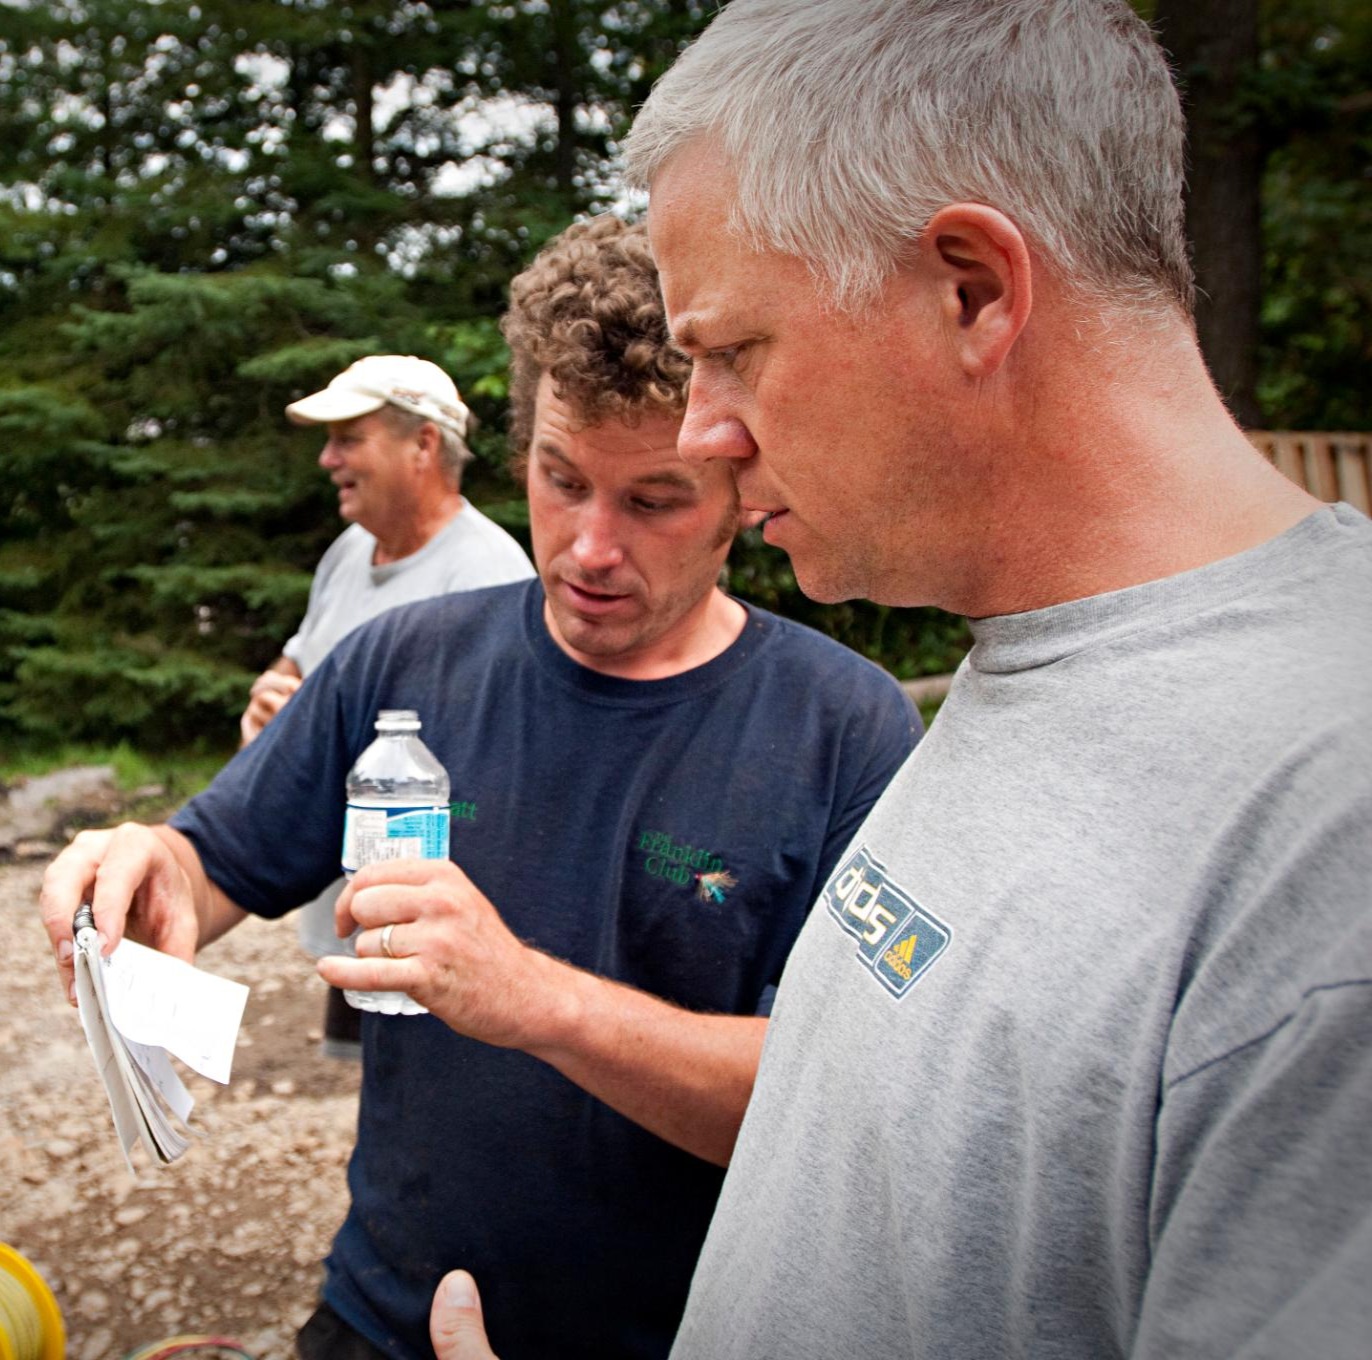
670,834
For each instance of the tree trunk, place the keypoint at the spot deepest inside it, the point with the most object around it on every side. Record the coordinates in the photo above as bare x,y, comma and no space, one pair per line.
1214,46
565,46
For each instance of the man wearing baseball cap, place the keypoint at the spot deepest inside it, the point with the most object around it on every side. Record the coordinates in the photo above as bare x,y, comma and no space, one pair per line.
396,446
397,443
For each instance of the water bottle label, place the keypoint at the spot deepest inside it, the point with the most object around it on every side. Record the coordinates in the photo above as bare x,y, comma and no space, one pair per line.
371,834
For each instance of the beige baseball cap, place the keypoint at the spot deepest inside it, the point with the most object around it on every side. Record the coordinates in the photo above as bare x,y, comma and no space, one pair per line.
400,380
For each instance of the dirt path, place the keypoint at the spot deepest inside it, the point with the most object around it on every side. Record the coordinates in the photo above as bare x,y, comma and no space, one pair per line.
226,1240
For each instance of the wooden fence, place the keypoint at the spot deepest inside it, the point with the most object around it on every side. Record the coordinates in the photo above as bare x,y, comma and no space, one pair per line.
1334,467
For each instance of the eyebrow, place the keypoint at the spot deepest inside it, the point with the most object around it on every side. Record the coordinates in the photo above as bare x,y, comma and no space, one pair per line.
686,336
672,480
664,477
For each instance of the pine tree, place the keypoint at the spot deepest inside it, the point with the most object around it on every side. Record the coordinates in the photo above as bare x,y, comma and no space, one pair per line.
211,209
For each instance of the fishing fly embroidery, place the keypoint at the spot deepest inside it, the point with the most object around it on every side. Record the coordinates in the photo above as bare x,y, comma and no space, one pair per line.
684,864
713,887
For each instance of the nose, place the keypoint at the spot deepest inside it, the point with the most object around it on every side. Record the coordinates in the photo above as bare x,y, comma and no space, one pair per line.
598,545
328,456
710,429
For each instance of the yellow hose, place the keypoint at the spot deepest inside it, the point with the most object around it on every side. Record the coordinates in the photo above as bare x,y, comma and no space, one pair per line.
30,1322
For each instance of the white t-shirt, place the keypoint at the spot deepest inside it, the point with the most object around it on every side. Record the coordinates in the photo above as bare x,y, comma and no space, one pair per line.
469,552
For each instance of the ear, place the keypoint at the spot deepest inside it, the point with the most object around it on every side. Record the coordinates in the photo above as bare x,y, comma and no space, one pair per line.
427,442
980,261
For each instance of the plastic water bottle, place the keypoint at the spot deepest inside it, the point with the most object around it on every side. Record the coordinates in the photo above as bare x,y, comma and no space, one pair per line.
397,809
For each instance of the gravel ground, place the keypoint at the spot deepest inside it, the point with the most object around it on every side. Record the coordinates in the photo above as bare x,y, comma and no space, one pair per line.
229,1238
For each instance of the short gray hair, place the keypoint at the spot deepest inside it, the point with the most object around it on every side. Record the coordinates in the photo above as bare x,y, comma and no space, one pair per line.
850,123
453,453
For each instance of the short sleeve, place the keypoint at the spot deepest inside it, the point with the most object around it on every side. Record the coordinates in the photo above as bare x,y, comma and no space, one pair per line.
269,829
1261,1221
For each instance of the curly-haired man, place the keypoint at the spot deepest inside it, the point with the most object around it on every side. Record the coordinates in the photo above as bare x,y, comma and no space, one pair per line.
650,779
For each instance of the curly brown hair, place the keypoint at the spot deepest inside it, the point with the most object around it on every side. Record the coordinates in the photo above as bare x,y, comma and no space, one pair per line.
588,311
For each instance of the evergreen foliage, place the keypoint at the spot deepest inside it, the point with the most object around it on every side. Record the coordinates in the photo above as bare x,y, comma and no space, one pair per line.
1295,113
209,208
1312,102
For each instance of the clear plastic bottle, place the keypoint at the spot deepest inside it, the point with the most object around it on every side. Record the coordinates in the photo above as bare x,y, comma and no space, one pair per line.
397,809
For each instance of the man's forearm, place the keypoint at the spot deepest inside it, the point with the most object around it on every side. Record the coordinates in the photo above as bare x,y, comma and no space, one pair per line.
684,1076
427,930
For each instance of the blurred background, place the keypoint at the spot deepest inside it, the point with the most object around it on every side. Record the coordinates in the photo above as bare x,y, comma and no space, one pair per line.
208,209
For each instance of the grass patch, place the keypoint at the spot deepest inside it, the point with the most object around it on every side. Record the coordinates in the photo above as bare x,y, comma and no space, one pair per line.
155,784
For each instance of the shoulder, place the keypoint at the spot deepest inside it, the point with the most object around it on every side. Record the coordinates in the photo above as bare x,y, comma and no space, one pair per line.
800,670
1289,915
1307,619
352,544
810,654
474,523
424,654
474,550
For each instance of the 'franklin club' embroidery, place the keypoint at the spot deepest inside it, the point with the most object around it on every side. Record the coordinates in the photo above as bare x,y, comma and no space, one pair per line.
679,862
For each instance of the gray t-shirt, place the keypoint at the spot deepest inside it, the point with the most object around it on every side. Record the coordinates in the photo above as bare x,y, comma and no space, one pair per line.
470,551
1074,1056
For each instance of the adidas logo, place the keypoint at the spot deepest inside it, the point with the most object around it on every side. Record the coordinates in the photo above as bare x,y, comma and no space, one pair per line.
905,950
900,957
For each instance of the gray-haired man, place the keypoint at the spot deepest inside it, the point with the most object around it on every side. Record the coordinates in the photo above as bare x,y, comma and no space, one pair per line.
396,447
1074,1055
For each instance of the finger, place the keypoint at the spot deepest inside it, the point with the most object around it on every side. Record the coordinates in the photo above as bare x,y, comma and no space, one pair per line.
256,716
66,884
137,866
405,940
371,975
391,873
262,708
123,867
275,682
379,904
273,703
343,923
456,1327
68,881
407,872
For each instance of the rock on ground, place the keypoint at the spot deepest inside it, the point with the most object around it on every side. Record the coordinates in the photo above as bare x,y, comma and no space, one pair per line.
229,1238
35,809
